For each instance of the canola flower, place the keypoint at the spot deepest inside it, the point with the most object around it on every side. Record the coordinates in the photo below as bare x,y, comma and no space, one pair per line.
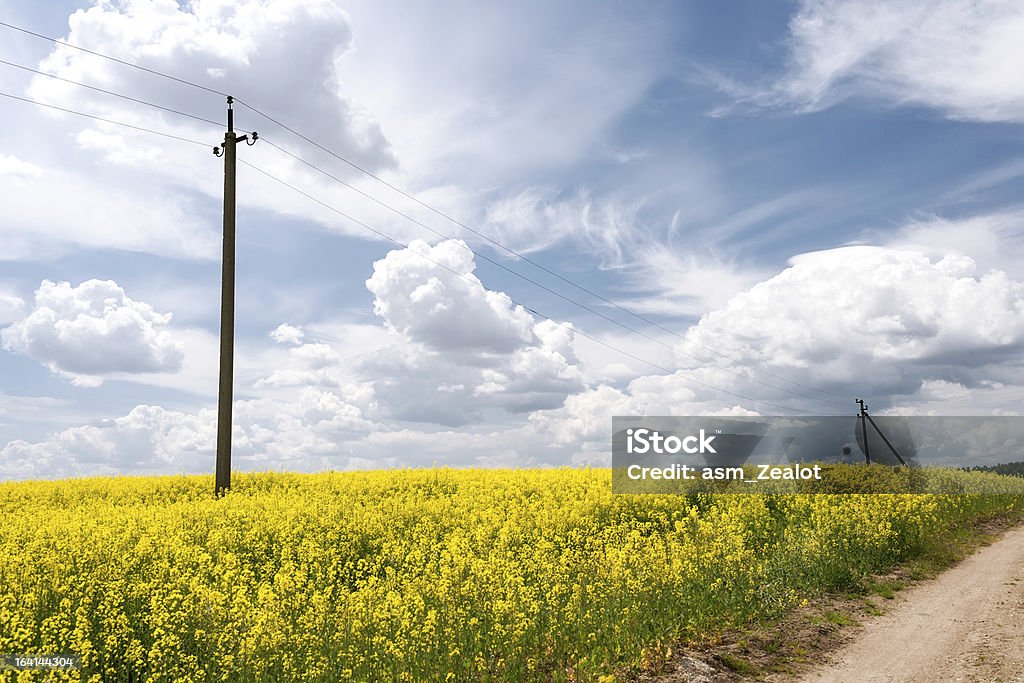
426,575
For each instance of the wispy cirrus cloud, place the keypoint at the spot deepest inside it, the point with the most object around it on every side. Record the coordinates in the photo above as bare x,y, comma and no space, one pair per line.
954,56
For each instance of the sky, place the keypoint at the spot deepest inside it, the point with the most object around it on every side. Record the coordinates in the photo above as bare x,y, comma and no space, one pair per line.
591,209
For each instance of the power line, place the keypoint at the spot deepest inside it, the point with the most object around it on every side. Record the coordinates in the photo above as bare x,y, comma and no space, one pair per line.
438,212
406,246
520,255
113,59
531,310
103,119
111,92
507,269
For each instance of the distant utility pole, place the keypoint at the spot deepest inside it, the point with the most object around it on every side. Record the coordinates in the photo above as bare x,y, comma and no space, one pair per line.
864,420
864,427
227,303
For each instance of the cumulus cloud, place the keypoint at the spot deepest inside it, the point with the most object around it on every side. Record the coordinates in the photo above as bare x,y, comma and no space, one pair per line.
273,51
11,306
917,334
93,329
314,429
876,316
279,55
453,335
995,241
584,421
449,352
307,364
15,168
306,433
431,295
922,334
585,416
287,334
956,56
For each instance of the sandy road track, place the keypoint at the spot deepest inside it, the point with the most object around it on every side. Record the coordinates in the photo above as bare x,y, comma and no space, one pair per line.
966,625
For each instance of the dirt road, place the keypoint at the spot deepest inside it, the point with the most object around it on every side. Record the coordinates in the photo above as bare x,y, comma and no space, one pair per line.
966,625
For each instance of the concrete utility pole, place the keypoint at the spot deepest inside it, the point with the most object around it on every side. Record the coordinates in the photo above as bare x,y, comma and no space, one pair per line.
227,304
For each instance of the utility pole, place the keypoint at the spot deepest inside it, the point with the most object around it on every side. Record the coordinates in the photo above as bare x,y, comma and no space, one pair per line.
227,304
864,427
864,420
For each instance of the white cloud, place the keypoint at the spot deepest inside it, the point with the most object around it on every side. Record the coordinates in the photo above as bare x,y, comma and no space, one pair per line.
307,364
130,190
957,56
99,209
531,85
890,321
92,330
872,316
287,334
431,295
314,430
676,284
584,422
536,87
13,167
538,218
445,332
995,241
659,277
924,335
11,307
584,417
148,439
918,335
272,51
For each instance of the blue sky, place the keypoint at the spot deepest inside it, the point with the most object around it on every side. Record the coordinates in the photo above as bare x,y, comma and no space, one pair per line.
811,201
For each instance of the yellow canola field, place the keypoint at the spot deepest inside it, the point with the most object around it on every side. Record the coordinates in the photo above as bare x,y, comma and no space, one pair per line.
424,575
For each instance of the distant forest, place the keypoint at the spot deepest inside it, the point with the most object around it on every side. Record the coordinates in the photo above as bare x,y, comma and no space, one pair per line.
1015,469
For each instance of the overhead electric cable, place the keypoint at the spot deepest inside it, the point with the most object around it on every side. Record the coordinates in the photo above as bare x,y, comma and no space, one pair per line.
444,215
113,59
532,310
219,124
383,235
527,259
411,197
104,119
547,289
